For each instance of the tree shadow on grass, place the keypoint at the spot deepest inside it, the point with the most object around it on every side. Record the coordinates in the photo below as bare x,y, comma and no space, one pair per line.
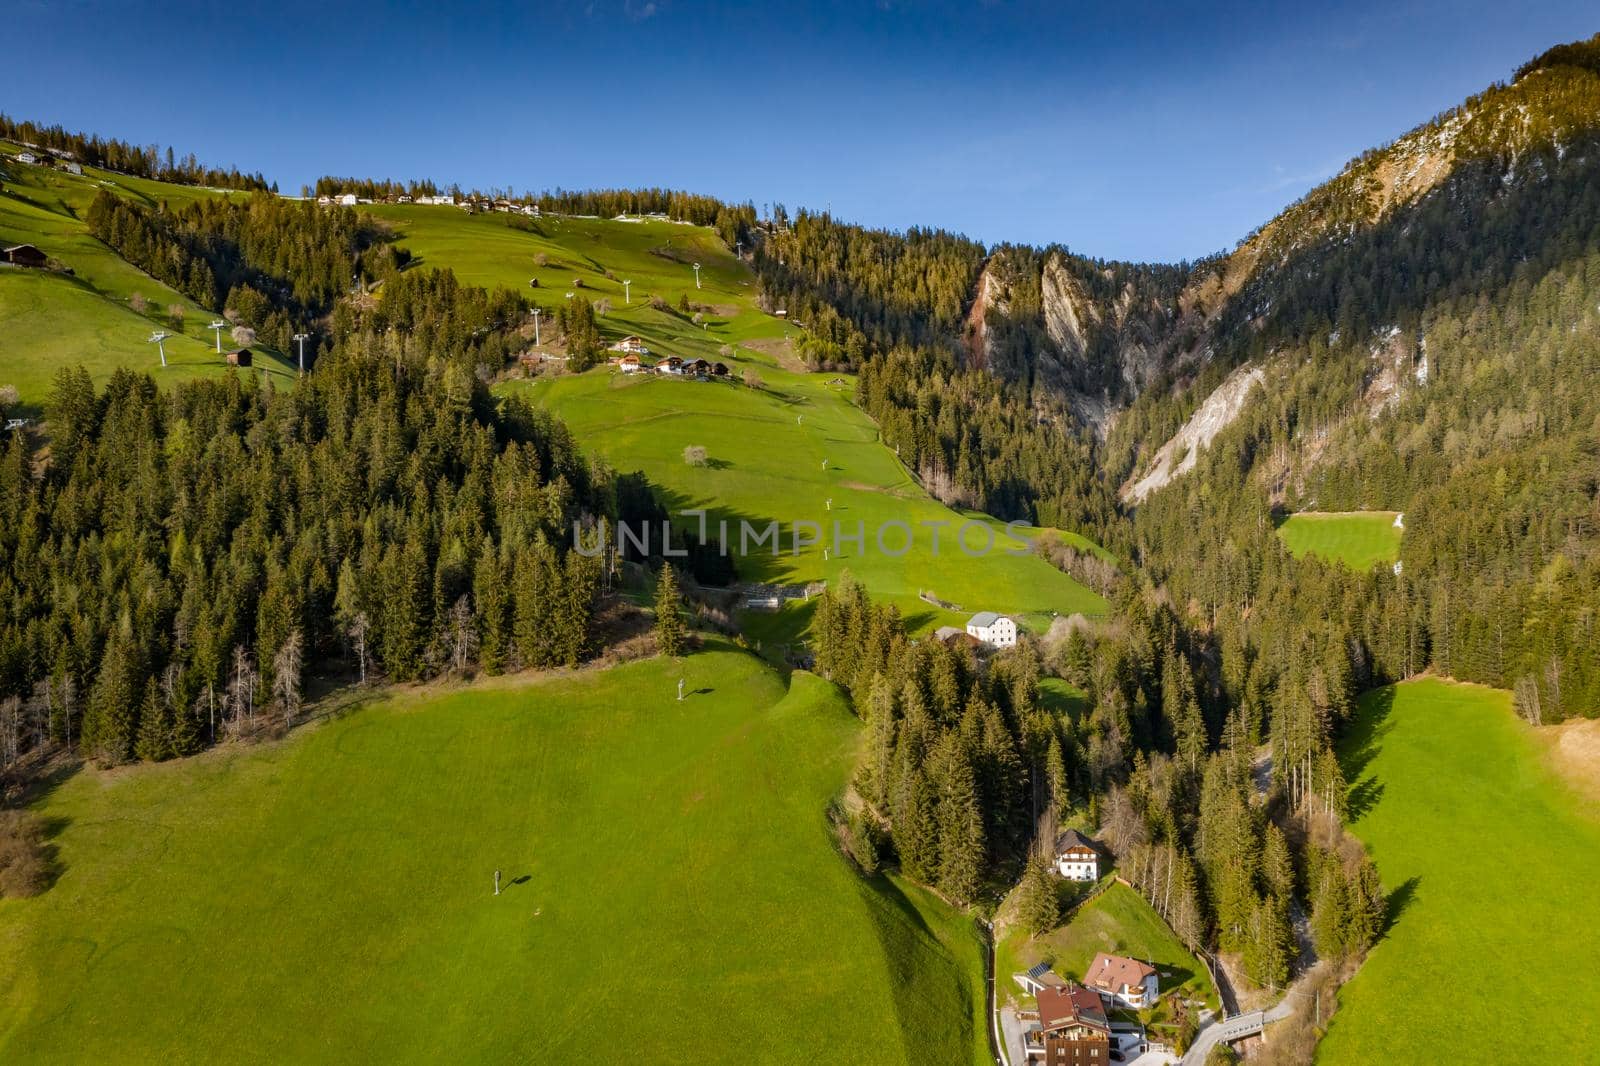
1360,745
1399,901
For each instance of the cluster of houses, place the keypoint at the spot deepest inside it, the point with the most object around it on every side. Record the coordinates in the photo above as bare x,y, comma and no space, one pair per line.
466,203
986,629
63,160
1071,1025
633,352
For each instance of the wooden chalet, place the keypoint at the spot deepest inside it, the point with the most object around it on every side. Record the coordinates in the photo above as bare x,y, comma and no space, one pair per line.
1073,1027
238,357
26,255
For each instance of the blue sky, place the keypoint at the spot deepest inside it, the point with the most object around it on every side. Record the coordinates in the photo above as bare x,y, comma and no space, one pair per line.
1126,130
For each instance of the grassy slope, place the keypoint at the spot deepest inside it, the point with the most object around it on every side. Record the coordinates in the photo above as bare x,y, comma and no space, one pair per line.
1492,866
53,320
764,464
1118,921
1359,539
672,888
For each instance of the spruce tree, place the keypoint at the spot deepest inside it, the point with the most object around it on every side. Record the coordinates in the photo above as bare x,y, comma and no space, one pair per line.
1038,907
154,742
671,632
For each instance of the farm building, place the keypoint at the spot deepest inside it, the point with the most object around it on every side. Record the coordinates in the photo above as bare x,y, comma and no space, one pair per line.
629,364
697,367
238,357
25,255
1073,1028
1077,857
347,200
672,364
632,345
719,370
27,157
956,638
1125,981
995,630
73,168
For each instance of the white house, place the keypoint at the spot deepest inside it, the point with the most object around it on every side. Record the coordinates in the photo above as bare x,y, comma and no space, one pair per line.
1076,857
1122,980
995,630
73,168
348,199
632,345
27,157
629,364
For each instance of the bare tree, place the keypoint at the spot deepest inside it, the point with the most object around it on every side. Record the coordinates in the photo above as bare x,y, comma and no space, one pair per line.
138,303
358,640
462,633
286,675
8,398
241,698
695,455
243,335
175,315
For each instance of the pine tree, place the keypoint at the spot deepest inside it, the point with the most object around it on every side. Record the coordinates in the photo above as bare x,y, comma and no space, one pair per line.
1038,906
154,742
960,825
670,628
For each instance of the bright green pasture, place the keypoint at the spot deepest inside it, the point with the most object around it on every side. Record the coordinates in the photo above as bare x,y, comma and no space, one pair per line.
765,454
53,320
1359,539
1491,865
671,892
489,250
1117,921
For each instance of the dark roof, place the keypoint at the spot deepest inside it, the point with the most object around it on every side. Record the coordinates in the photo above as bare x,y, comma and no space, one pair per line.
1060,1008
1038,969
1074,839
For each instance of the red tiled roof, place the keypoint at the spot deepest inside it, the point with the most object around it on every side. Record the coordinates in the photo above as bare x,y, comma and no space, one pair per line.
1072,1005
1113,973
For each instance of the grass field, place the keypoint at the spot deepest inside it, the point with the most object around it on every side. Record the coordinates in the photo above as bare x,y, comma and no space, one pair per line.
765,448
54,320
1117,921
671,891
1491,863
1359,539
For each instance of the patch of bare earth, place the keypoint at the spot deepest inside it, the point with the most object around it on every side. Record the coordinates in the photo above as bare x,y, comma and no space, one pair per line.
779,348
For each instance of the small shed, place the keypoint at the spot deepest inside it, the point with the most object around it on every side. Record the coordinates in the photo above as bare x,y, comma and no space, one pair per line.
25,255
238,357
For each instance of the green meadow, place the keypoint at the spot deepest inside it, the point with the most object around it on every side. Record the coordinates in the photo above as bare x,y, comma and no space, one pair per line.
765,447
670,890
54,320
1119,922
1491,864
1358,539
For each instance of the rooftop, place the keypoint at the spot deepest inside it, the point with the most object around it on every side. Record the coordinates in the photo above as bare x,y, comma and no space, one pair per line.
1071,1005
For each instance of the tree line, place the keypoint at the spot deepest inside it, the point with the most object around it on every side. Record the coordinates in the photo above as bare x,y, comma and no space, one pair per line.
144,161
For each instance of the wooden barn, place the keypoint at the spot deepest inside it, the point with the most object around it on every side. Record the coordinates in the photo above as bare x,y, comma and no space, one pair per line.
25,255
238,357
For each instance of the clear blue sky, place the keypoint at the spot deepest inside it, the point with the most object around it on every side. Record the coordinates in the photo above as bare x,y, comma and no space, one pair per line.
1127,129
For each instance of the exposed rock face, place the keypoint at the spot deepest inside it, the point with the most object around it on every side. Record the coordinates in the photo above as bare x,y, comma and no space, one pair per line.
1066,309
1178,455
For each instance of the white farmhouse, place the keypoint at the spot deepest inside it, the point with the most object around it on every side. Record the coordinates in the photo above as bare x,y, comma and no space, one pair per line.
995,630
348,199
1076,857
27,157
